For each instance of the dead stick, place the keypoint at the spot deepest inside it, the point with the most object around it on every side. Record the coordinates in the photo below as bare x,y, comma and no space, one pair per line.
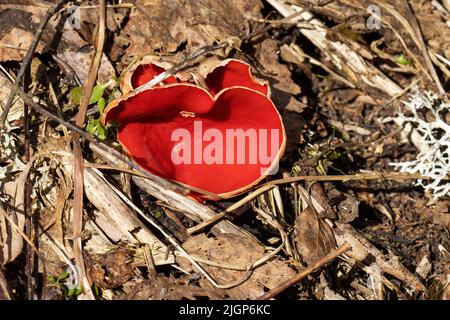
321,262
78,178
27,60
178,67
230,209
352,177
269,185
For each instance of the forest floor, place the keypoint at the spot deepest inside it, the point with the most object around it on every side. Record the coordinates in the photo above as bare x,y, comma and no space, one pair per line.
338,221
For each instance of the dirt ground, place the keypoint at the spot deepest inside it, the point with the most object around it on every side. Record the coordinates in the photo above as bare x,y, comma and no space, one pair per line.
348,215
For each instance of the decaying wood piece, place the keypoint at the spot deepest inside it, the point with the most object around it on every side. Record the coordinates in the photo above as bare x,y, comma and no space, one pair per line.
340,54
366,253
118,221
363,251
115,218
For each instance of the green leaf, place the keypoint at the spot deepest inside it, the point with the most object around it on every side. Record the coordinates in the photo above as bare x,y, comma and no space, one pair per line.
96,290
401,59
73,292
97,93
321,76
76,94
102,132
158,214
96,128
63,276
101,104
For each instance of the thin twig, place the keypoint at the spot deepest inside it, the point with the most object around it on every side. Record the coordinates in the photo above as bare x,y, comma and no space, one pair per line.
29,217
178,67
27,60
321,262
269,185
352,177
201,226
78,178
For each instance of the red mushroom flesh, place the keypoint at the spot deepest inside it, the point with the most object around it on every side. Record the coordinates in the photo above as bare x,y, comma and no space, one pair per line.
223,141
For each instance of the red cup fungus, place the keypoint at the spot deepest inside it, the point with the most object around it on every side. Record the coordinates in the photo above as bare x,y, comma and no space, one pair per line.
223,139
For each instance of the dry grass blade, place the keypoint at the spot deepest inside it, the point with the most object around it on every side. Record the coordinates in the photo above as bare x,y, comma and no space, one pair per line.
5,291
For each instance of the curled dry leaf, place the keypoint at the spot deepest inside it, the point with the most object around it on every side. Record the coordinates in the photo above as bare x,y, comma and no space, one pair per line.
160,127
11,241
314,238
109,270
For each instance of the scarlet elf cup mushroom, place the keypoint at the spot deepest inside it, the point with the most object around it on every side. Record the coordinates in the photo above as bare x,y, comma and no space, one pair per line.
223,137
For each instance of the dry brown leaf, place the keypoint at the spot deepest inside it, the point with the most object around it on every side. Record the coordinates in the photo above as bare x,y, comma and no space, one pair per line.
109,270
241,252
313,236
284,91
167,25
11,242
19,22
169,288
16,111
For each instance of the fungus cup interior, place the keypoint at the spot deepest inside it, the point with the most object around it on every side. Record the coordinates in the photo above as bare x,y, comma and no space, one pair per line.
222,139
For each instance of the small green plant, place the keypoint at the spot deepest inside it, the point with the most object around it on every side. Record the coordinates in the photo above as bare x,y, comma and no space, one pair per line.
327,161
401,59
68,292
94,126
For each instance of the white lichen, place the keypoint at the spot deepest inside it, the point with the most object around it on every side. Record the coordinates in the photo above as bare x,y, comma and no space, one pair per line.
426,113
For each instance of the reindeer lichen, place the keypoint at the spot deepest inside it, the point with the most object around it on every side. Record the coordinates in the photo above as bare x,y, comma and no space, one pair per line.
426,113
